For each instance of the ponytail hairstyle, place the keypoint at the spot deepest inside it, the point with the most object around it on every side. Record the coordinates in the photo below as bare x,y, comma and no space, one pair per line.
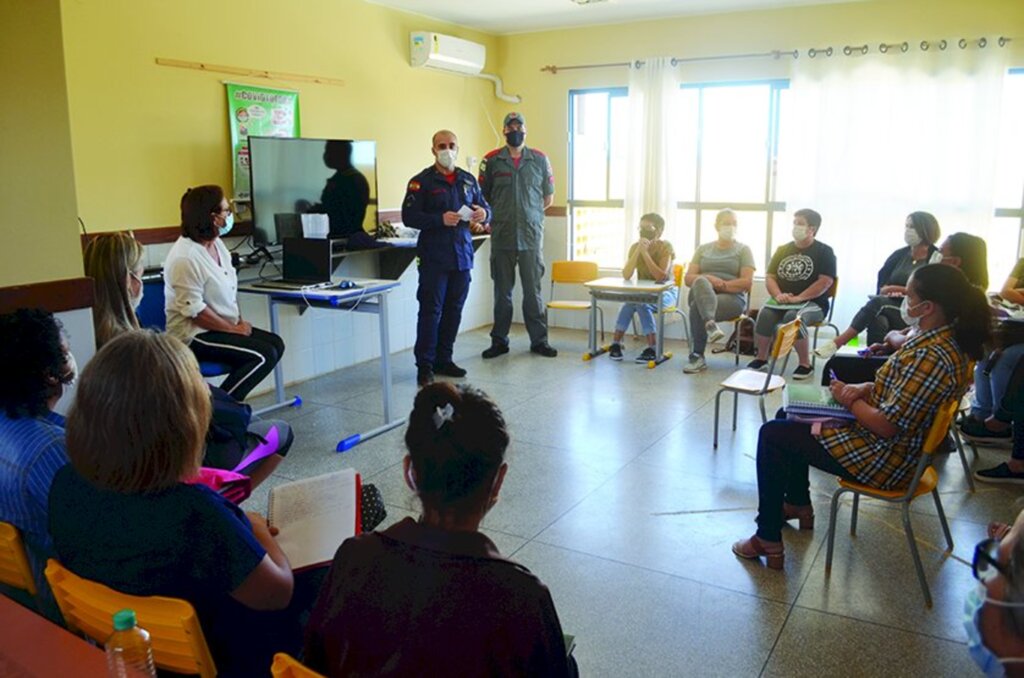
457,440
927,226
963,304
973,255
110,258
198,207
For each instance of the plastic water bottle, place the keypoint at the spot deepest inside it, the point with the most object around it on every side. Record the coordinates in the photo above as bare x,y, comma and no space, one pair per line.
129,653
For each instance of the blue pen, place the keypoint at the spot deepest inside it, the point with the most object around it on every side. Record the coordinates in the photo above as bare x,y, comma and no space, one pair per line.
832,375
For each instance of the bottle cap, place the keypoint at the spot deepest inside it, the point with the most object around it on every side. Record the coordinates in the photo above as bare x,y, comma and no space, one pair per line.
124,620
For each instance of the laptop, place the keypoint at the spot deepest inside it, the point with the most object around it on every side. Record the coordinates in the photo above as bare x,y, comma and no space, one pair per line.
307,263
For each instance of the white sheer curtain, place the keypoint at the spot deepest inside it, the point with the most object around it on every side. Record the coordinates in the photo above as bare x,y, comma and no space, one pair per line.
867,140
652,88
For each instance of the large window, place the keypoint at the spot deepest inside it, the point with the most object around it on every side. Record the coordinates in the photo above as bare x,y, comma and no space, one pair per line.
725,144
1008,224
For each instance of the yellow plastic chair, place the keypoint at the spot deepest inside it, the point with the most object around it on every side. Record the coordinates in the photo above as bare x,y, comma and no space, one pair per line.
827,322
755,382
678,272
573,273
15,570
925,481
285,666
88,608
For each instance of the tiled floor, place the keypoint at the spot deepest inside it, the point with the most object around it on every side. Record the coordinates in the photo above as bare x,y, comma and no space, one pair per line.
617,501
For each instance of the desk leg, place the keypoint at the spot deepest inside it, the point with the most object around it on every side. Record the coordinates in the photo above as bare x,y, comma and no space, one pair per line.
279,398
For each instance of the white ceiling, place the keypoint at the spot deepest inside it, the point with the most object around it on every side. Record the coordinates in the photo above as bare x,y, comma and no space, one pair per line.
518,16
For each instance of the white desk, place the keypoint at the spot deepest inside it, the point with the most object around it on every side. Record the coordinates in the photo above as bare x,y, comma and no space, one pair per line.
625,291
370,297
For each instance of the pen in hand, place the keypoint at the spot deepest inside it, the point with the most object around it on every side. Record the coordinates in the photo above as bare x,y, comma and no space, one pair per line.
832,375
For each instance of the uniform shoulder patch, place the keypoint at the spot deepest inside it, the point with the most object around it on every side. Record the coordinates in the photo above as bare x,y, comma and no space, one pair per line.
491,154
414,185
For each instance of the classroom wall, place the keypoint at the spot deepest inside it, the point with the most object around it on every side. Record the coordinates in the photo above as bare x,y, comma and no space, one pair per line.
37,183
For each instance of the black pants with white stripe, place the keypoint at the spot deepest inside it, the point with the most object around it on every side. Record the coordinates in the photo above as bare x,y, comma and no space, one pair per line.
250,359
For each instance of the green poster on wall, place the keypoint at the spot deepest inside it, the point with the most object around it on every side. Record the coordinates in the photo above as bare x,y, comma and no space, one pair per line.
259,112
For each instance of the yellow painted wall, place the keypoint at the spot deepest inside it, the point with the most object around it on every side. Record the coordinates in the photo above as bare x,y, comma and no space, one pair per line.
38,230
546,96
143,133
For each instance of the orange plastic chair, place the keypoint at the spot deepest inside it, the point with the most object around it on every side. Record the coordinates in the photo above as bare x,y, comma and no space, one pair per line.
15,570
88,608
284,666
755,382
573,273
925,481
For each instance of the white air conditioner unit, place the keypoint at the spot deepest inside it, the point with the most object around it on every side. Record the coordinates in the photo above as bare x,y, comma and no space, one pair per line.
446,53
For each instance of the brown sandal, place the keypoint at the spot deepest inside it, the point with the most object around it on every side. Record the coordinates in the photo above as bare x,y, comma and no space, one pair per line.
754,548
998,530
805,514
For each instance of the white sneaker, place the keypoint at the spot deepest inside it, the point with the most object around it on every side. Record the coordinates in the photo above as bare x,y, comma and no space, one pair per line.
826,350
695,364
715,333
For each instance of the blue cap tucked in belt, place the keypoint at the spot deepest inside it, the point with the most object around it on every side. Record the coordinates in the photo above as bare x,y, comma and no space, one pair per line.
514,117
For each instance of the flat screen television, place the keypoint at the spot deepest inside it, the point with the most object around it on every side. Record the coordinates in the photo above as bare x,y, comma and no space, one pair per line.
292,177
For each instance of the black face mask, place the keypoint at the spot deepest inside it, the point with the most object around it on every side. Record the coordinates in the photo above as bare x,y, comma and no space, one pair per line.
515,137
648,233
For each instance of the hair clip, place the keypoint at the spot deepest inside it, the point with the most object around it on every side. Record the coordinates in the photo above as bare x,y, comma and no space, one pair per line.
443,414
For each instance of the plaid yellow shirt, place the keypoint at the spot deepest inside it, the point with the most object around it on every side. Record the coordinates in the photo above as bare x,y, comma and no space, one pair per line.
926,372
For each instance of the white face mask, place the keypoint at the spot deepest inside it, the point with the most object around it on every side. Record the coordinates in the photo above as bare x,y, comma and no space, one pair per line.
800,233
72,370
909,320
136,299
911,237
727,233
987,661
446,158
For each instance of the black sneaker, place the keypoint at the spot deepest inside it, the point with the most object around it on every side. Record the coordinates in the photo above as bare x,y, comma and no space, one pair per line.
999,474
545,349
757,364
449,370
424,376
495,350
803,372
976,430
646,356
615,351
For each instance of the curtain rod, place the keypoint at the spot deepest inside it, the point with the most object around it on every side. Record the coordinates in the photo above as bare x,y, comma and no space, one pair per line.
848,50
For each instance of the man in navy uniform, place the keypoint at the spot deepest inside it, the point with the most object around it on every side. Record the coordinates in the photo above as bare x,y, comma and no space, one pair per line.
446,205
519,183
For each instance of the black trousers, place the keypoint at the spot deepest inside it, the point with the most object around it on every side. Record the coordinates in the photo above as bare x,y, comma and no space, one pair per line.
852,369
785,452
250,359
1011,409
878,317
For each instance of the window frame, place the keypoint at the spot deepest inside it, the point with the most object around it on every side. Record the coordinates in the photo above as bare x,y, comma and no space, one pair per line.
1018,211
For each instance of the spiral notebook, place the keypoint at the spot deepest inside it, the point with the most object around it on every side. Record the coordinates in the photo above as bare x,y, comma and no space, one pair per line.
813,401
313,516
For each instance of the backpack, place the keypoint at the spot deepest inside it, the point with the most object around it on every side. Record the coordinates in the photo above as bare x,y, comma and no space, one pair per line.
230,420
743,334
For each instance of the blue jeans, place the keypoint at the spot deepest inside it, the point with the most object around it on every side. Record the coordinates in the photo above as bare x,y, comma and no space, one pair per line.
644,311
990,380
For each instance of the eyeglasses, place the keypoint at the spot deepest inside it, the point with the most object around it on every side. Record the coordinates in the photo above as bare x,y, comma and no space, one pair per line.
222,210
986,565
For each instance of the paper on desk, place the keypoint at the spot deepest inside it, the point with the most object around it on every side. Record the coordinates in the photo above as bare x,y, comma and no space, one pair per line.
466,212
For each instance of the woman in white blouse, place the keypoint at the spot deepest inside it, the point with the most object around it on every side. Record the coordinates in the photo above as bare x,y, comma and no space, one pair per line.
201,289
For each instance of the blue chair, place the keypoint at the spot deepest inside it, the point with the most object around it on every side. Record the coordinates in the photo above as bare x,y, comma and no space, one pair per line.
152,316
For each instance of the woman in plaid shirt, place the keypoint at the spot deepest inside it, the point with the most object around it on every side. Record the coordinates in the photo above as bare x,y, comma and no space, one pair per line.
893,412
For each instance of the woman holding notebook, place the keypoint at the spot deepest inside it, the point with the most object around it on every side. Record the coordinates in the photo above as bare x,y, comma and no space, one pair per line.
434,596
123,515
893,413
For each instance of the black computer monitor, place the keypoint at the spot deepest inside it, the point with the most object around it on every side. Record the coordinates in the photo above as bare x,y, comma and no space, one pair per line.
290,177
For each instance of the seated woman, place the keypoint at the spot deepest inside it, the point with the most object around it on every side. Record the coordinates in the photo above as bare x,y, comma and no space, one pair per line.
994,610
434,596
650,258
122,514
799,277
37,366
880,314
992,376
201,289
961,250
893,413
114,262
1006,421
719,277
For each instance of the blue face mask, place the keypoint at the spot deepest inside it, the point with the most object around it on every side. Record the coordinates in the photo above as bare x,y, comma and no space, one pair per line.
229,223
987,661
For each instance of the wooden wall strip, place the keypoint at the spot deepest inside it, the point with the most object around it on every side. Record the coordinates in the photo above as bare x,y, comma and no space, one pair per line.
166,234
55,296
